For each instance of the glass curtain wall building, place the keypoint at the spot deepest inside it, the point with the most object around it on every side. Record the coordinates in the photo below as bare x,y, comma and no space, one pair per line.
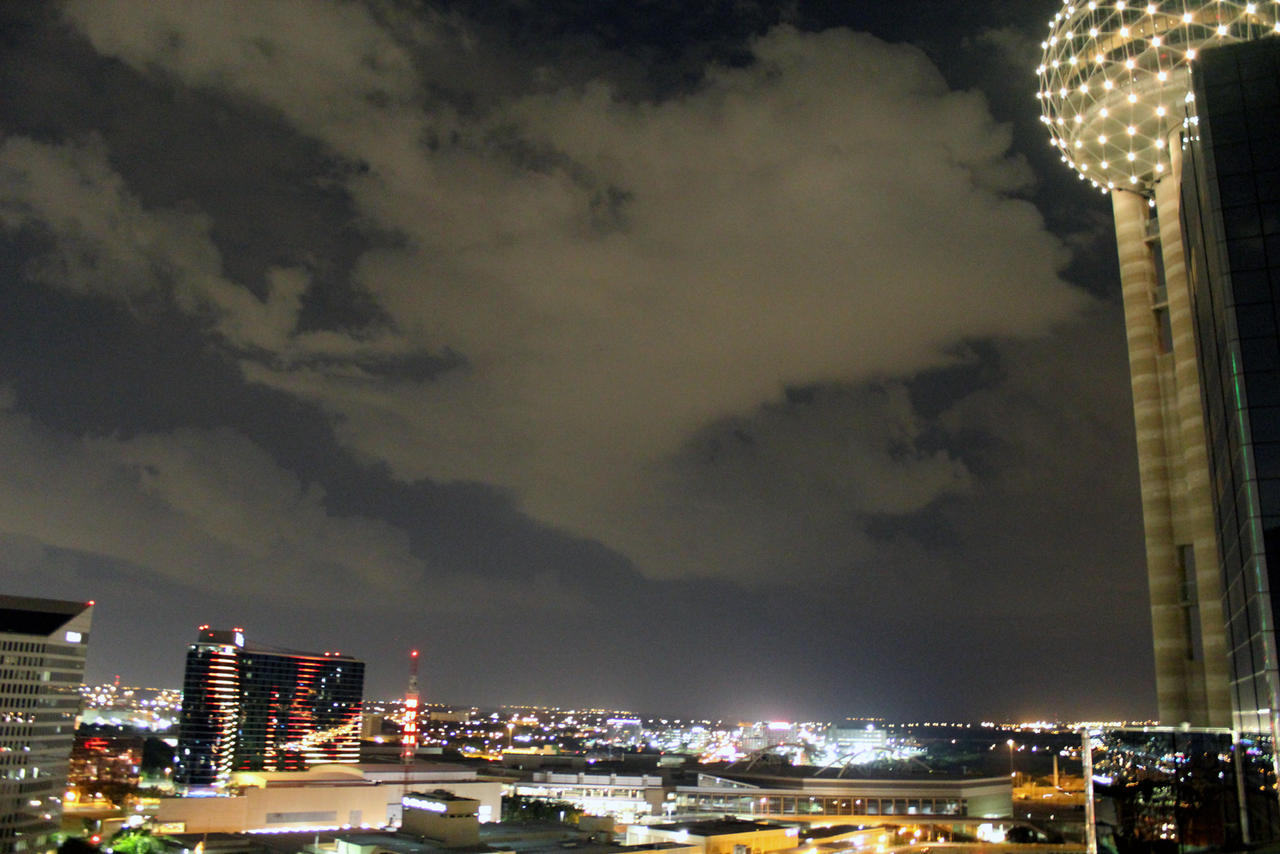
257,708
1231,205
1231,209
42,652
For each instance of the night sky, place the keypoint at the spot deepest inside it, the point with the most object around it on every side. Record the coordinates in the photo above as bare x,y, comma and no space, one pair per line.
747,358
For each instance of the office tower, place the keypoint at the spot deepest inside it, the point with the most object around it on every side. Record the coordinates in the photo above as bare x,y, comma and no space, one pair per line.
1231,211
42,651
257,708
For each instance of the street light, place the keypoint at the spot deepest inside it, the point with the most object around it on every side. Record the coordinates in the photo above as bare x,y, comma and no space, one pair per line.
1011,774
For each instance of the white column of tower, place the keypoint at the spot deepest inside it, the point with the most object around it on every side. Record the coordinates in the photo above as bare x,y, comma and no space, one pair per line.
1194,522
1138,281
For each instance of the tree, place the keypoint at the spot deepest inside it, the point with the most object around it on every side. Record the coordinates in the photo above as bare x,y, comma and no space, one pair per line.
135,841
521,808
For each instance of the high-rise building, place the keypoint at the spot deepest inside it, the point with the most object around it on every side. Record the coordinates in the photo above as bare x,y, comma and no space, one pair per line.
258,708
1173,108
1231,212
42,652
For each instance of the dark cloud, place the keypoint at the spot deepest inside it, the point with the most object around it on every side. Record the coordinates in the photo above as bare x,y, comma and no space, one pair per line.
567,336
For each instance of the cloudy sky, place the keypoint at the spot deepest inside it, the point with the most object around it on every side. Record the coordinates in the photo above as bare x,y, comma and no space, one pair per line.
740,357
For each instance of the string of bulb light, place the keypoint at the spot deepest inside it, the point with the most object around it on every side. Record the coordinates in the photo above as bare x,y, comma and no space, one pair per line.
1115,80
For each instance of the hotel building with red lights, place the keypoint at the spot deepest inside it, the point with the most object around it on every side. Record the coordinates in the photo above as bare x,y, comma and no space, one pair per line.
249,707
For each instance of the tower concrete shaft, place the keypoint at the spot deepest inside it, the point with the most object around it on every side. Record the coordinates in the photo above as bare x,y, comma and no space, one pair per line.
1173,465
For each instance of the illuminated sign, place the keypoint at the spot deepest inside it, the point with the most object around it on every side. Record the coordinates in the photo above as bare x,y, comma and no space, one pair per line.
74,637
779,725
422,804
239,638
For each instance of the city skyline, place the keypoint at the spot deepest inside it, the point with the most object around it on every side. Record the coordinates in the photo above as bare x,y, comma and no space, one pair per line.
730,358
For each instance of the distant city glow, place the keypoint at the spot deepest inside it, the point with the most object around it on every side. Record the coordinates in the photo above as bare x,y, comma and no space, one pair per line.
154,709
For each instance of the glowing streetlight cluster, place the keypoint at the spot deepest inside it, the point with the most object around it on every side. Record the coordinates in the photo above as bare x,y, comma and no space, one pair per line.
1115,79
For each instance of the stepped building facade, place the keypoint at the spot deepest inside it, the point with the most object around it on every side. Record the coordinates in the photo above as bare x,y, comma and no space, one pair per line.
42,654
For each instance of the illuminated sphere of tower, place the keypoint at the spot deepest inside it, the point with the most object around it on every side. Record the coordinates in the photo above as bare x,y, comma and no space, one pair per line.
1115,80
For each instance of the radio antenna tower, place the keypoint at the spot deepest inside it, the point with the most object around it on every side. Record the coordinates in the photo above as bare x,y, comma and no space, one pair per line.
409,734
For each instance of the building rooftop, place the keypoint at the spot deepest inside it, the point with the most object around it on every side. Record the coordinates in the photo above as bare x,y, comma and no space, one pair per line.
797,776
25,615
237,638
818,834
717,826
586,847
440,795
405,844
231,843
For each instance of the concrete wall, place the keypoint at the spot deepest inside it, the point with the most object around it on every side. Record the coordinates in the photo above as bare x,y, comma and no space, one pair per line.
204,815
450,831
489,794
282,808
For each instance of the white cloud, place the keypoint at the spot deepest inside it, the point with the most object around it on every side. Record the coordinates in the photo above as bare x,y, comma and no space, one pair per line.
208,509
104,241
831,214
328,67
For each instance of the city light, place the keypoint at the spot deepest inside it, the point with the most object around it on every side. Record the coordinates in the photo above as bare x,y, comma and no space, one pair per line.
1111,117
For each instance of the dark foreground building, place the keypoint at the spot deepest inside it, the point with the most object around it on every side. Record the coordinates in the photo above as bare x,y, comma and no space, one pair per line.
1231,218
1231,206
258,708
42,651
1175,789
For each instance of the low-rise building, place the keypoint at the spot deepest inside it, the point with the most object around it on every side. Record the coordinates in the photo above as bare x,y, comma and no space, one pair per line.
97,759
805,795
820,799
625,797
718,836
325,797
441,817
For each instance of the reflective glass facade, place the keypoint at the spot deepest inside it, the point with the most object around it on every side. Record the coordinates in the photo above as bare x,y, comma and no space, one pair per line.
1164,789
1231,221
251,708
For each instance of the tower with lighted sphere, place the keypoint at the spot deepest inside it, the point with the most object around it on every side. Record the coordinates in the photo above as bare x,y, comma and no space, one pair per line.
1146,102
